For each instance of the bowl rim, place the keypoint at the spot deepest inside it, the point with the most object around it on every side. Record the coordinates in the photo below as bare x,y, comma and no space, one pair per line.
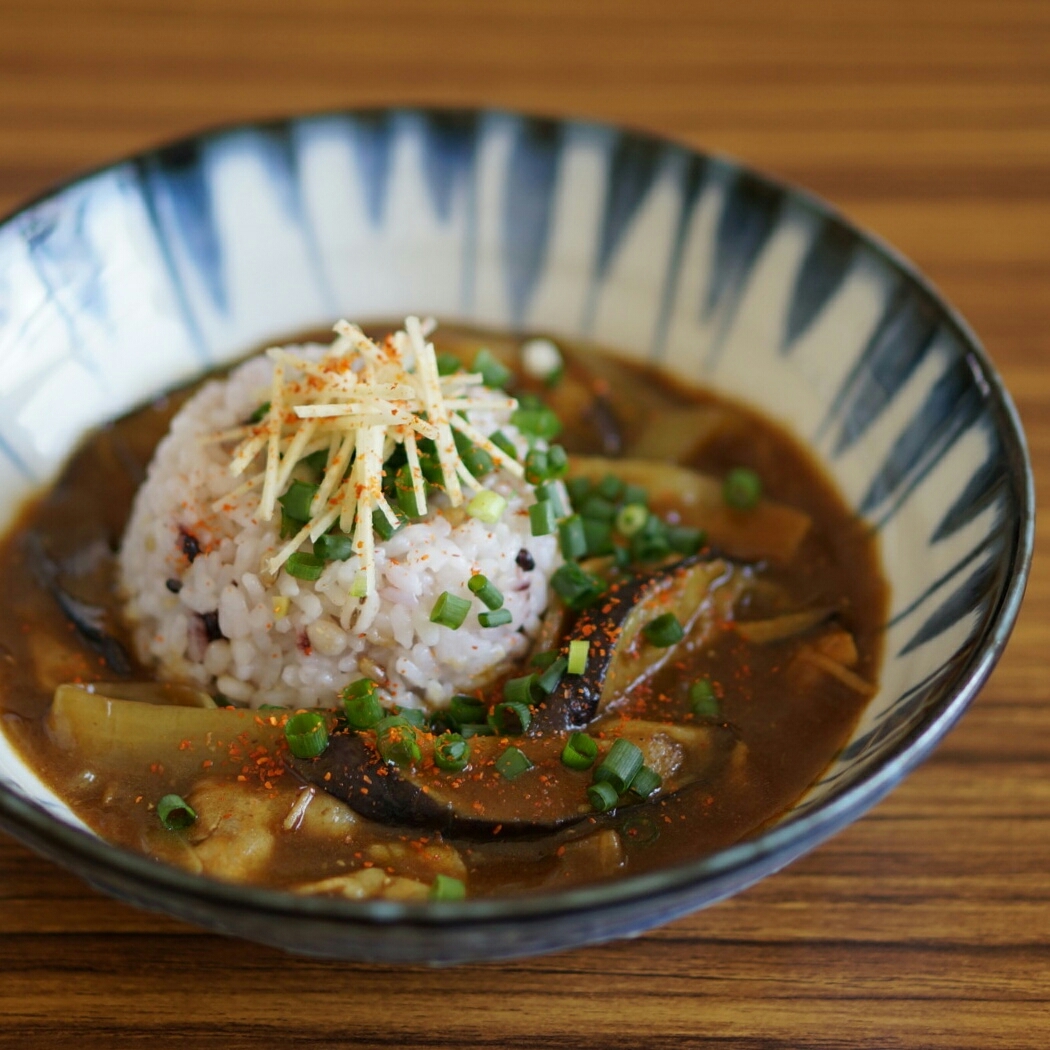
772,847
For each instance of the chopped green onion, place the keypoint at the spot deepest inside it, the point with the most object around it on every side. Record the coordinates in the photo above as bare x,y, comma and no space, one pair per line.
544,660
650,541
703,701
578,490
557,462
578,650
610,488
598,508
382,526
580,751
296,501
620,765
599,537
542,518
621,557
316,461
664,631
571,538
645,782
465,709
359,588
631,519
536,466
450,610
554,494
447,888
306,733
447,364
487,506
684,539
334,546
497,618
406,493
602,796
451,752
289,526
398,742
523,690
304,566
635,494
469,729
742,488
575,586
477,461
175,812
548,681
413,716
361,704
493,373
486,591
537,422
512,763
503,443
260,413
511,718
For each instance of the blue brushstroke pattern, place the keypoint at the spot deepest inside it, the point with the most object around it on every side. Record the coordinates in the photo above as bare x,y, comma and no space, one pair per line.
449,143
178,199
532,177
749,216
372,135
907,328
983,490
824,268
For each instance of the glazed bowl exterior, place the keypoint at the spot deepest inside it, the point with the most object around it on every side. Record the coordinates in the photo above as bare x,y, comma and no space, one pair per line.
138,277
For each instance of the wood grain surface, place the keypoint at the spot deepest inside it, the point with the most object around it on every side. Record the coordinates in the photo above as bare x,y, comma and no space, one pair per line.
925,924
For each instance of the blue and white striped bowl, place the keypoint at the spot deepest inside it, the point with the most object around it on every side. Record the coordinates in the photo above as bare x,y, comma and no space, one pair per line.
142,275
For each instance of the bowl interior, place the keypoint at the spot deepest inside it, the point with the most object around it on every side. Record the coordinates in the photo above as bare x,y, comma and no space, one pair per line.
142,275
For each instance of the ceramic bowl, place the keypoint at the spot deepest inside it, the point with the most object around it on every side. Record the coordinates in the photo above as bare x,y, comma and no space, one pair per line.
137,277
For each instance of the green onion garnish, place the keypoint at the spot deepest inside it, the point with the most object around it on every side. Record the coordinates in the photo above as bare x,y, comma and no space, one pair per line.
578,656
497,618
684,539
465,709
645,782
289,526
511,718
451,752
477,461
580,751
548,681
304,566
384,530
635,494
542,518
610,488
260,413
523,690
512,763
575,586
406,493
650,541
413,716
598,508
631,518
306,733
620,765
599,537
493,373
536,466
334,546
554,494
543,660
536,421
398,743
175,812
571,538
742,488
664,631
578,490
450,610
703,701
447,364
557,462
486,591
359,588
296,501
316,461
361,704
487,506
602,796
446,888
469,729
503,443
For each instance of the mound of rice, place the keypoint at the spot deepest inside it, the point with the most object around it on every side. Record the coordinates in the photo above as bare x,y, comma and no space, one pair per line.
203,611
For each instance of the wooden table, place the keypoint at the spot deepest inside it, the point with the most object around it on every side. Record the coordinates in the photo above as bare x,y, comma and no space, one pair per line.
926,924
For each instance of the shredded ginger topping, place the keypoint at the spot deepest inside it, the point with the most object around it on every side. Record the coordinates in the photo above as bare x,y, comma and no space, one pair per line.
356,403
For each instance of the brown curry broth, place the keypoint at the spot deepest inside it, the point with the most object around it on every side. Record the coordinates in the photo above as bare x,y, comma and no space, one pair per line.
791,735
